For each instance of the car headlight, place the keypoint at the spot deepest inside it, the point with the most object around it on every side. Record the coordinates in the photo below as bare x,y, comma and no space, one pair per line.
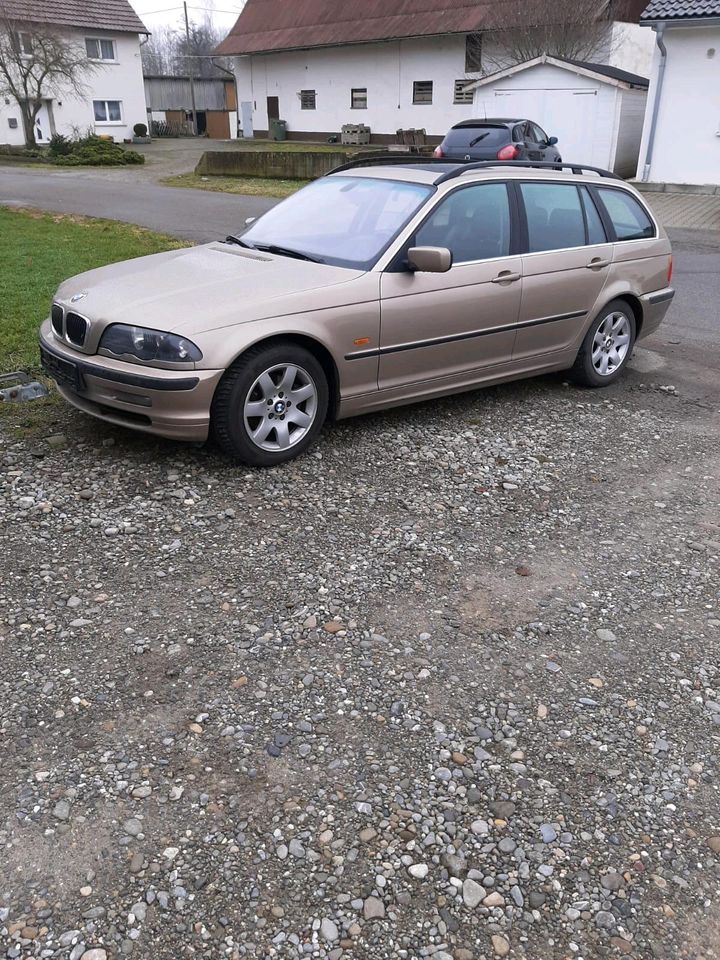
148,346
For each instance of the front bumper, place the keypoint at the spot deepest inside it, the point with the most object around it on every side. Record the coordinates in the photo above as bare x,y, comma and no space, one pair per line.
167,403
654,307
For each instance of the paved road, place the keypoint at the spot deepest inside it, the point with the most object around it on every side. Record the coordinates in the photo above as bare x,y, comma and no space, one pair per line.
201,216
191,214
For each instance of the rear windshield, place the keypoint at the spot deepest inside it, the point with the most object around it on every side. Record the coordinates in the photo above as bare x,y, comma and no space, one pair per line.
483,136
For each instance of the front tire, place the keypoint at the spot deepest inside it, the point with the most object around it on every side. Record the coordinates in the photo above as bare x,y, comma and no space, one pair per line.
607,347
270,405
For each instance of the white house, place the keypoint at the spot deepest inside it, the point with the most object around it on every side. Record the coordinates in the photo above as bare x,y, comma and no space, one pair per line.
321,65
681,138
109,33
595,110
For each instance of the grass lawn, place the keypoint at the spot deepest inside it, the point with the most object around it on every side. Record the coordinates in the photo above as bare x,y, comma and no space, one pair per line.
37,252
249,186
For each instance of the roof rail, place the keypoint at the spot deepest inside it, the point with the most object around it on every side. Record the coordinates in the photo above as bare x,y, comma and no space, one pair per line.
389,158
539,164
394,159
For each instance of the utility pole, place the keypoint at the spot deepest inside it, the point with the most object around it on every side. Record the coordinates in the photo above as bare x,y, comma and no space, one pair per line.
190,70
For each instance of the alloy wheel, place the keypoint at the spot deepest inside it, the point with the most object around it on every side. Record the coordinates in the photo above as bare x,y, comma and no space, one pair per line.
611,343
280,407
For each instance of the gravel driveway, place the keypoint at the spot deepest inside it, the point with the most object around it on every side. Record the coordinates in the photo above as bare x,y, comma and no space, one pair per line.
448,687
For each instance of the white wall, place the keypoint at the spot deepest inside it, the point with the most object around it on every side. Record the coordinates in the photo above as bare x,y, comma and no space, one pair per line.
120,80
387,70
629,131
687,138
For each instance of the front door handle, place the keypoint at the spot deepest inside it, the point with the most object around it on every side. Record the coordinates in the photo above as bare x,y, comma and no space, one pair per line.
506,277
597,263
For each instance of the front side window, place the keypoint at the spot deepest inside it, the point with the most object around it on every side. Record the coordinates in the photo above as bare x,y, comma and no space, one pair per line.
344,221
554,216
422,91
98,49
307,99
472,222
107,111
358,98
628,217
539,135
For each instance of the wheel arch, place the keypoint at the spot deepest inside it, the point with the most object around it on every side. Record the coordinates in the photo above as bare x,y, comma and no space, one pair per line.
636,306
318,350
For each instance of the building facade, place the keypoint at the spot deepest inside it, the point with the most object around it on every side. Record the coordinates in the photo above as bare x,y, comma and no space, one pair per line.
109,33
681,137
318,71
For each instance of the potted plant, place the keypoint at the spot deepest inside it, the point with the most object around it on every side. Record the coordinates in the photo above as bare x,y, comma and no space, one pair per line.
140,132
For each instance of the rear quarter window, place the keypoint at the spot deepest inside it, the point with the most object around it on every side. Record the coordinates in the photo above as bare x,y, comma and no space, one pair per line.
629,219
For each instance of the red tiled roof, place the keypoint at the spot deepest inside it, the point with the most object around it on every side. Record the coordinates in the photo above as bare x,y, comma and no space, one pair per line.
116,15
266,26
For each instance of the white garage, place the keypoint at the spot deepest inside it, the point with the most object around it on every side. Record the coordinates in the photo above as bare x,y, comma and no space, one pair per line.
596,111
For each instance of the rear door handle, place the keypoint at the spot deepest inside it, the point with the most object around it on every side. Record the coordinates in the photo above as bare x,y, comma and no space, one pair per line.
597,262
506,277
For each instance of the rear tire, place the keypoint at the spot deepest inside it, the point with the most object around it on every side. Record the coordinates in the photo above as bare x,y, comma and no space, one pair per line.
270,405
607,347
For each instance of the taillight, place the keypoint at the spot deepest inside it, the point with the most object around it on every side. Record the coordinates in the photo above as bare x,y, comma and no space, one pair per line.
509,152
438,152
669,273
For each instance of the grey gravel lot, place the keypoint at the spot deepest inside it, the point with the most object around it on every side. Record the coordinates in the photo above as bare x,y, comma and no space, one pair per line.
447,687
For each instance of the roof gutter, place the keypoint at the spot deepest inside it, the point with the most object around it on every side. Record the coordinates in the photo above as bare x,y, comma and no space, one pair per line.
659,35
683,22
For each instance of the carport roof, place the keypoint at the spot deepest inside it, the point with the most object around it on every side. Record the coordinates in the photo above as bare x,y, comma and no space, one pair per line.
681,10
115,15
600,71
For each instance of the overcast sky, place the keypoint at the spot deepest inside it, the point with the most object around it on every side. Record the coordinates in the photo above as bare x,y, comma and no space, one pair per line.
157,13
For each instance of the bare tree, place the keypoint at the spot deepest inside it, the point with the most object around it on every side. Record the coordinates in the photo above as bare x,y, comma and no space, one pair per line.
170,53
525,29
37,65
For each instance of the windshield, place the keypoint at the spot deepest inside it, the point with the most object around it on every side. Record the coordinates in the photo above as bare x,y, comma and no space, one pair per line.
343,221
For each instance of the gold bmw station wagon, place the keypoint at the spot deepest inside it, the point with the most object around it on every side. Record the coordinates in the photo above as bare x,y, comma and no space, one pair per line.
387,281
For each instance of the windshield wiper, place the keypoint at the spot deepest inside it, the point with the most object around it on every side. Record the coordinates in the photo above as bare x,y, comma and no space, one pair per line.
478,139
241,243
287,252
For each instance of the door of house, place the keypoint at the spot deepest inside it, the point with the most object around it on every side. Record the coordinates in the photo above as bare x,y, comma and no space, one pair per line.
42,125
273,110
246,118
218,124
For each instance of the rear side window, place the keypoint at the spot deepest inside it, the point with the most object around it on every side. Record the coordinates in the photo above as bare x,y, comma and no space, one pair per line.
628,217
596,231
554,216
478,136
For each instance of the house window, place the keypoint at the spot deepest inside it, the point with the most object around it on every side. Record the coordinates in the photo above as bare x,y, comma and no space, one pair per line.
307,99
98,49
107,111
461,95
25,43
422,91
358,98
473,53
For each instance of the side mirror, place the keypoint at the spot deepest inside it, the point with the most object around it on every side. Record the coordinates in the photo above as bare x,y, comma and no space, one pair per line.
429,259
249,221
552,141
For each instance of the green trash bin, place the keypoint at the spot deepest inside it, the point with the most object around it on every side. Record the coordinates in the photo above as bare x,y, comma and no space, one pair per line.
279,129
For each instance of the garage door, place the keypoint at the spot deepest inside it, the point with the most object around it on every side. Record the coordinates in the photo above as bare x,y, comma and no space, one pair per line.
569,114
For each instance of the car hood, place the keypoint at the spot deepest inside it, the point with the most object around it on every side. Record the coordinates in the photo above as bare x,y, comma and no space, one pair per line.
203,288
